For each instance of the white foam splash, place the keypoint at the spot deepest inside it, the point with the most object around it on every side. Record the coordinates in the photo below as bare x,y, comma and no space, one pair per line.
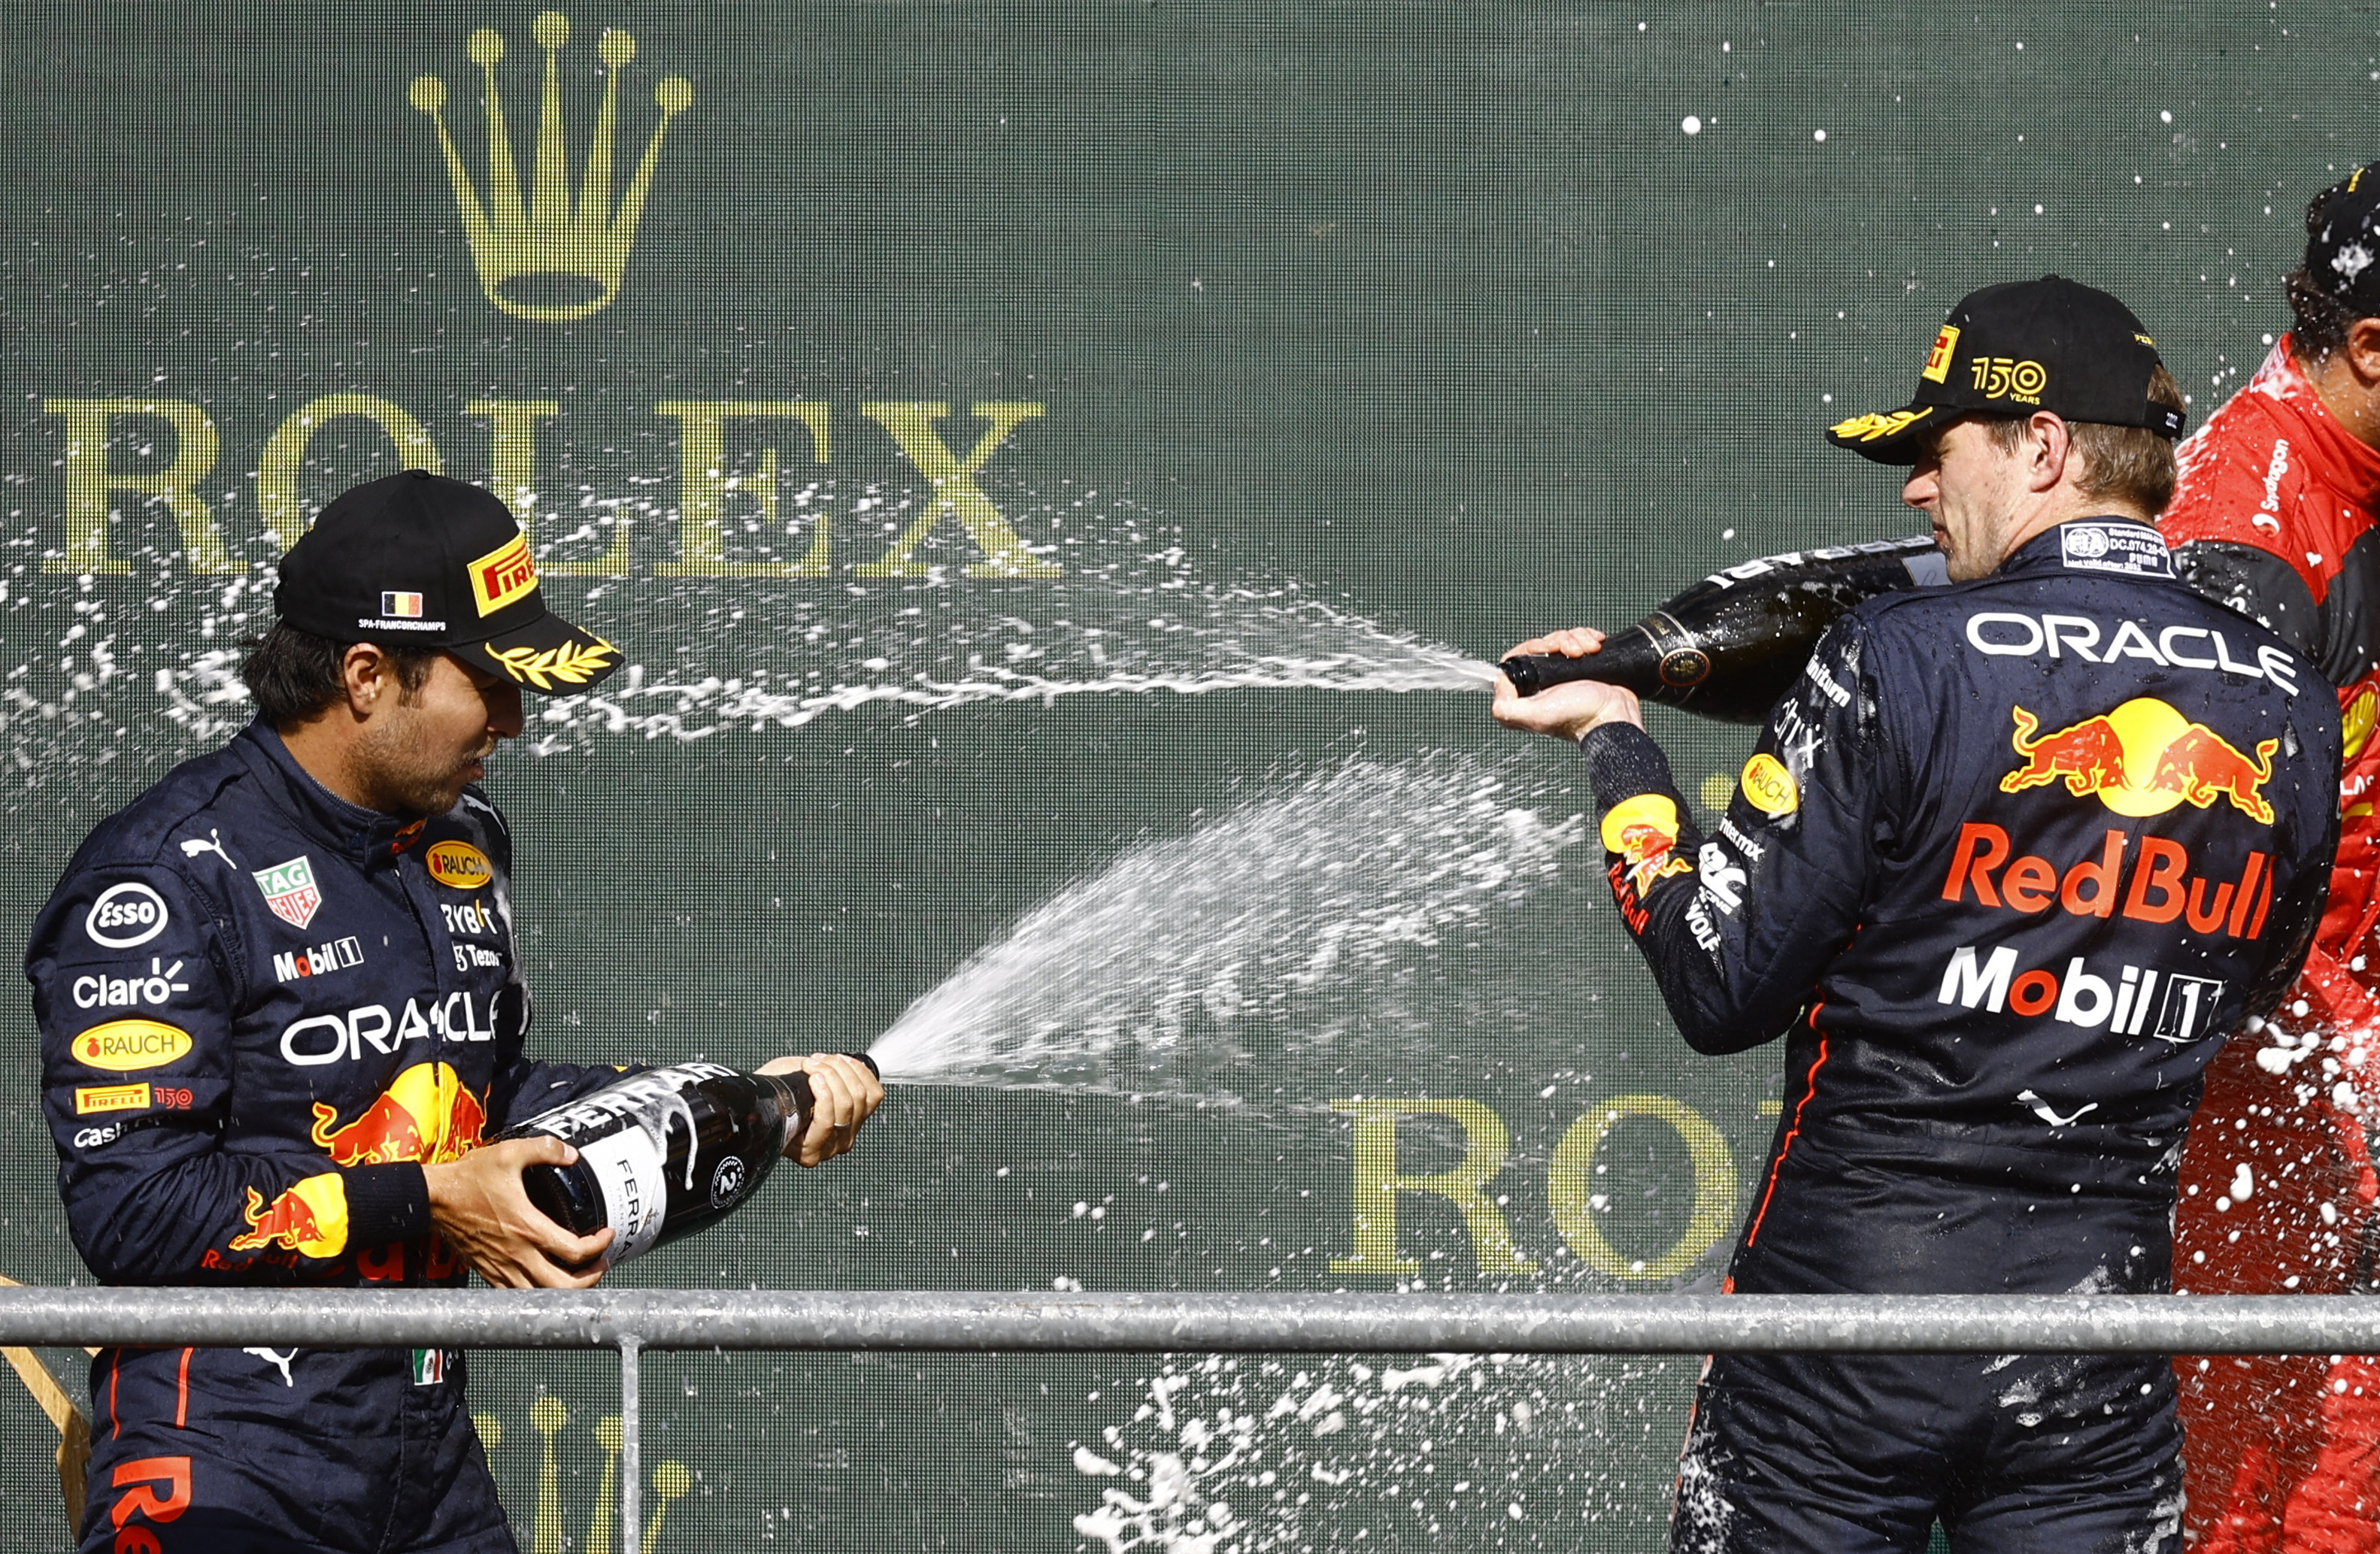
924,646
87,678
1328,888
1230,1456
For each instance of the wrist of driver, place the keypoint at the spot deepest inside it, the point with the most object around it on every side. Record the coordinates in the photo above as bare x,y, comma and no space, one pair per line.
386,1203
1622,761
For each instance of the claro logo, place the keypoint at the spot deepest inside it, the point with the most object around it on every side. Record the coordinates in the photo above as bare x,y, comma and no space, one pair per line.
2157,886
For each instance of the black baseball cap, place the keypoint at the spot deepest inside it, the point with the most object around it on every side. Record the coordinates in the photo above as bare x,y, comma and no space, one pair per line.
2342,257
2050,344
421,559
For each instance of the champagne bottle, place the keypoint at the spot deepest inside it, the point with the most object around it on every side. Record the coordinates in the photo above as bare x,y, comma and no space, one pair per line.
664,1153
1729,646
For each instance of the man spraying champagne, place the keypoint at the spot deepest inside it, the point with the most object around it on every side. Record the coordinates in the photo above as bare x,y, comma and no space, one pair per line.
282,1009
2274,515
2011,858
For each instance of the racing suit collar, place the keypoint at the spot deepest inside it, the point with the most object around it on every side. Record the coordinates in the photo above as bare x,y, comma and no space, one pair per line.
2120,545
2345,460
362,835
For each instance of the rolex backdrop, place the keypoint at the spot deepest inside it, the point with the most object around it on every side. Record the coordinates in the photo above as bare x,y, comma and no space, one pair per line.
1055,471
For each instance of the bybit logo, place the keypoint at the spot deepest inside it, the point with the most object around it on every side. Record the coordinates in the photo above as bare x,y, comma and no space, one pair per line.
548,247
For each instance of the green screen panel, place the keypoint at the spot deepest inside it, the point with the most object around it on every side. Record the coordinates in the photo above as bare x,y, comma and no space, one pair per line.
1052,468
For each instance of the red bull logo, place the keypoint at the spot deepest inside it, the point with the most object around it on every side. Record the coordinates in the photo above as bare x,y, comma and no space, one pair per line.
2201,767
428,1115
2142,759
1643,832
310,1218
2154,885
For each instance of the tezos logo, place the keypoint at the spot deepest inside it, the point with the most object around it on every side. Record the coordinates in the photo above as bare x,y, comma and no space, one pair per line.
125,915
726,1183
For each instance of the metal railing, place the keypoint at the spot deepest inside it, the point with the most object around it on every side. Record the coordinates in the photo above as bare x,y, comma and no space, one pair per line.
968,1321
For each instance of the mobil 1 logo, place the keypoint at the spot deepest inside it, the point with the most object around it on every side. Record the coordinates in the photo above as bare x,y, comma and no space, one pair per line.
2136,1002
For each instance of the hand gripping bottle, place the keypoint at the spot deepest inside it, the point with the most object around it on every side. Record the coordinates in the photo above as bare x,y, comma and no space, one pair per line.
664,1153
1729,646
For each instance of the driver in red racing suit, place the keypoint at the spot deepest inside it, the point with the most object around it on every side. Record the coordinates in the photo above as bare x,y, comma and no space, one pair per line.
2274,515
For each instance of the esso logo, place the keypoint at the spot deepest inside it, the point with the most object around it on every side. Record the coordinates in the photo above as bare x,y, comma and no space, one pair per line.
125,915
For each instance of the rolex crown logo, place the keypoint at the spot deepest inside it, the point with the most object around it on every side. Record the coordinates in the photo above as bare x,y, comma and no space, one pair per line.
530,252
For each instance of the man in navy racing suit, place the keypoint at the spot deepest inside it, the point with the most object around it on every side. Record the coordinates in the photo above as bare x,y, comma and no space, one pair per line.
2009,861
282,1005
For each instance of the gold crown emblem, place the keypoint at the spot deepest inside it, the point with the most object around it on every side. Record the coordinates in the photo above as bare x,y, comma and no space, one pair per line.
670,1482
547,238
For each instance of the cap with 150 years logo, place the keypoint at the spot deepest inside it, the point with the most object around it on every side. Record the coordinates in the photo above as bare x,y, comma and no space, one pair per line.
437,563
2011,350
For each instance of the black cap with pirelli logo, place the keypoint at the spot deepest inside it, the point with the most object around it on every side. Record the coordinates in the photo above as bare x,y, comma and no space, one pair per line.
420,558
2050,344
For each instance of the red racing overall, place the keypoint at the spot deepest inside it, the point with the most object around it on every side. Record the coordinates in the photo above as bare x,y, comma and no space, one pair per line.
2274,515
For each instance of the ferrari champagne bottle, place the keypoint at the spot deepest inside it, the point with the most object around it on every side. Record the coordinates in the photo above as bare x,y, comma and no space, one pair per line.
1729,646
664,1153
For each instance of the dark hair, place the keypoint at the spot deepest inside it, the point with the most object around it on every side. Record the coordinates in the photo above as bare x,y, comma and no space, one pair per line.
2130,463
295,675
2319,321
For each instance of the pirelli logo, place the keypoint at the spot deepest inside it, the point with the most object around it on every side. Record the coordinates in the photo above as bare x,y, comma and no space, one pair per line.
504,576
90,1098
1937,360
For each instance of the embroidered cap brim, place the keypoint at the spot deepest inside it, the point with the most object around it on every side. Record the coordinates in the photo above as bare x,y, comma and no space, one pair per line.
431,562
548,656
1886,436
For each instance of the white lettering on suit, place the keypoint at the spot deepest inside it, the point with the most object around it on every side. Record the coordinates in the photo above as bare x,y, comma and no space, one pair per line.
329,1039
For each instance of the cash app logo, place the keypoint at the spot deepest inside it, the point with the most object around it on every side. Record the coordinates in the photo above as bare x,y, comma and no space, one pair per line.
548,1415
552,254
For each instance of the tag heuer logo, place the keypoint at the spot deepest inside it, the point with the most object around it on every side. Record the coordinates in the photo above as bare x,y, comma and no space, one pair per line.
289,890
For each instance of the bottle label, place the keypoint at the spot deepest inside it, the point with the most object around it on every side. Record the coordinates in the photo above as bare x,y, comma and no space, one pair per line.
627,1168
654,1103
